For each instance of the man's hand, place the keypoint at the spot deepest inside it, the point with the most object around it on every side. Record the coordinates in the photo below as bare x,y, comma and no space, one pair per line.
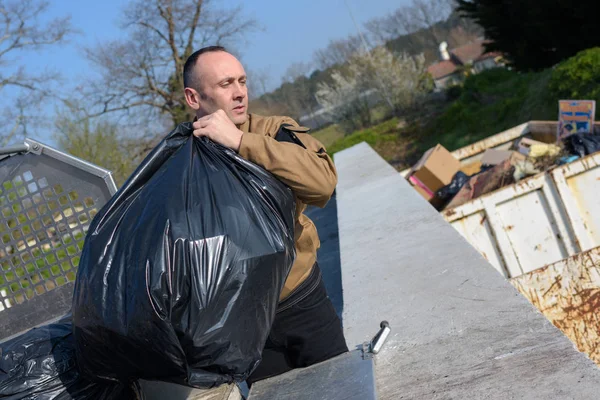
220,129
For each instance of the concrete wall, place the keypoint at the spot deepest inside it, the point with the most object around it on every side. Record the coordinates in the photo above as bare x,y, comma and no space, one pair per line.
459,329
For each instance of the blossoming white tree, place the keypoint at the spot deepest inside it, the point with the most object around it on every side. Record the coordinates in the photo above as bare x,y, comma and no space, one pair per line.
397,80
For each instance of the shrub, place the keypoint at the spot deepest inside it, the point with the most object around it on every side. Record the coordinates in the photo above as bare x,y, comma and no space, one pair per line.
578,77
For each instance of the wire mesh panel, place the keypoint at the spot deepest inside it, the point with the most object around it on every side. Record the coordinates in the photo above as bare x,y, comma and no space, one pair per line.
46,206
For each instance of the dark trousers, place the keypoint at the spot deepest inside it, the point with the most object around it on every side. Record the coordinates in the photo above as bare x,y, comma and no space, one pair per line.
306,331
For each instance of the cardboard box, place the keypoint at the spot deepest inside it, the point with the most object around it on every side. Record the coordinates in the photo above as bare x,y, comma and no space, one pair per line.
426,193
495,157
436,168
471,168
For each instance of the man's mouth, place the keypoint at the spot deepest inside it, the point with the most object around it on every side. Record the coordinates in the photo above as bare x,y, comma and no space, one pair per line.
239,108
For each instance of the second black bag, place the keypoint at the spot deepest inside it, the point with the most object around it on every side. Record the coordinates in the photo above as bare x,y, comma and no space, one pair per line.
40,364
582,144
182,270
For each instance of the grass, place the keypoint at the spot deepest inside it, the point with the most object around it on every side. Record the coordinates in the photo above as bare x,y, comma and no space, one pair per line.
385,138
374,136
333,135
488,103
329,135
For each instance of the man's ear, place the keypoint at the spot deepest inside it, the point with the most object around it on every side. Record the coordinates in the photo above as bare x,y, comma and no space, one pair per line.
192,97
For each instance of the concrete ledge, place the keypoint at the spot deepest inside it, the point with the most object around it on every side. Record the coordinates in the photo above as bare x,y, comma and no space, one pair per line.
459,329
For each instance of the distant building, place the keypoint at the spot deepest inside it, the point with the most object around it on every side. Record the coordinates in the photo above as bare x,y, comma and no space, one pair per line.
453,64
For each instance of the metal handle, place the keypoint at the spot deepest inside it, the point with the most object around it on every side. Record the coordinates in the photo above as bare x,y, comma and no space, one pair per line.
380,338
19,148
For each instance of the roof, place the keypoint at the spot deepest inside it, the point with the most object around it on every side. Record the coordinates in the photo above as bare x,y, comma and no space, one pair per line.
442,69
466,54
470,52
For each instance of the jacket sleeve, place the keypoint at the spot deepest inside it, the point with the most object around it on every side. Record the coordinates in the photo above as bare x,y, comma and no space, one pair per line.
309,171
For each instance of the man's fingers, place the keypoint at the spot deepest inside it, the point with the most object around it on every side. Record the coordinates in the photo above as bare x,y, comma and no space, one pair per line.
201,123
199,132
203,120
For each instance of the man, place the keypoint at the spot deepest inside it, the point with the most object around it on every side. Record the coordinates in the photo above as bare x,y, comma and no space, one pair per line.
306,329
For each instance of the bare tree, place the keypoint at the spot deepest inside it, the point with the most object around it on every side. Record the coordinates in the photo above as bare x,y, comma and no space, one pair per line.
389,27
259,85
427,14
459,35
337,52
297,70
301,98
419,15
23,31
142,75
259,82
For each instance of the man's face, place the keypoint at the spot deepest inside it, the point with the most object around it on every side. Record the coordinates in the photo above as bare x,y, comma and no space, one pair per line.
222,86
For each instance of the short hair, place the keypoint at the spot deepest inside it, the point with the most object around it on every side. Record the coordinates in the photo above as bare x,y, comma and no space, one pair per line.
189,80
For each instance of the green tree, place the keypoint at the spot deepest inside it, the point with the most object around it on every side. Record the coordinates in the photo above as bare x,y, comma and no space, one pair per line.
578,77
533,34
99,143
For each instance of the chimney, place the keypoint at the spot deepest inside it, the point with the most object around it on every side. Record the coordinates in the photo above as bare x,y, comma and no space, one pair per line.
444,54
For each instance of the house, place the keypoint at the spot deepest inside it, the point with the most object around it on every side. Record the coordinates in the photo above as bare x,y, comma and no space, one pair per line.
456,63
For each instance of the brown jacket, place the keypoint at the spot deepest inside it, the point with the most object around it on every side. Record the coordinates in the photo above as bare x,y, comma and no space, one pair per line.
310,173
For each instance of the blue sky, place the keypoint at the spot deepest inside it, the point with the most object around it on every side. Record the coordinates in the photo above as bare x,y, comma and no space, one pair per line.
293,30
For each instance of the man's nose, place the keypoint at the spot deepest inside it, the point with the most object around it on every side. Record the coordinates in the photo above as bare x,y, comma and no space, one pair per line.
240,91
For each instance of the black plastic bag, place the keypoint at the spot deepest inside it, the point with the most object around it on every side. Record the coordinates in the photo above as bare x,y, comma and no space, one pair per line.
582,144
449,191
182,270
40,364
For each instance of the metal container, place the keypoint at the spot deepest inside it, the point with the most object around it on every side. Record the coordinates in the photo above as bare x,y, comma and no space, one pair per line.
538,221
543,233
568,294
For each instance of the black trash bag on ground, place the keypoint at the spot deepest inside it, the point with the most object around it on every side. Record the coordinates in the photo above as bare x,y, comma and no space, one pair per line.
182,269
582,144
446,193
40,364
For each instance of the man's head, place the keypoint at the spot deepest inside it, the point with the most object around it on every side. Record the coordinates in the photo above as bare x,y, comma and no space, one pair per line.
214,79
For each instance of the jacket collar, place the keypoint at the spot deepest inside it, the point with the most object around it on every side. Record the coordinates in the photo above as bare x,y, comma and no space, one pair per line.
245,127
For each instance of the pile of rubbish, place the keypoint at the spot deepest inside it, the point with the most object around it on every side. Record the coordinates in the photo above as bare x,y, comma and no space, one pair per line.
179,281
443,181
